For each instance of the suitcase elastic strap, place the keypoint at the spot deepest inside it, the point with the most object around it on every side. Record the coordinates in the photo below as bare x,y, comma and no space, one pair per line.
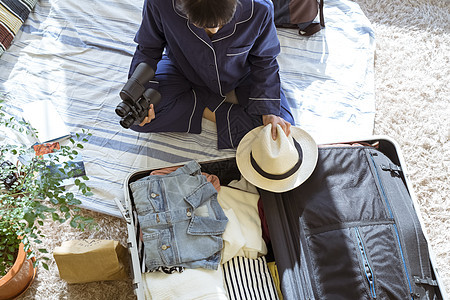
413,244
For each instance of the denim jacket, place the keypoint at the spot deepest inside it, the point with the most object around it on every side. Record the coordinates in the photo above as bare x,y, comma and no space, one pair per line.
180,218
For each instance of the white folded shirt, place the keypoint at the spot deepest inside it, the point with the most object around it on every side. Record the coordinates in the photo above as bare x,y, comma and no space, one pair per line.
241,207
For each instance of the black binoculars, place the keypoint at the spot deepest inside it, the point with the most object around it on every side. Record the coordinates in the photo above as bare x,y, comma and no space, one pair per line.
136,99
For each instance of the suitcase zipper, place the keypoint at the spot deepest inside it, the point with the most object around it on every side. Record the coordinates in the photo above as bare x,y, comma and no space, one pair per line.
366,265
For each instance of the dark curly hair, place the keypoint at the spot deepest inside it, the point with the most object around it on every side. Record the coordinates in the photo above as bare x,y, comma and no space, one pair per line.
208,13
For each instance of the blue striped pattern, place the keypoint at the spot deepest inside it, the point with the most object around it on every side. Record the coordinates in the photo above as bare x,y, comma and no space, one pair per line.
77,54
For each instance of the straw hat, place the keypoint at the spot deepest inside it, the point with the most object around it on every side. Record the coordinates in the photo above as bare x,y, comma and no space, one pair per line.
280,165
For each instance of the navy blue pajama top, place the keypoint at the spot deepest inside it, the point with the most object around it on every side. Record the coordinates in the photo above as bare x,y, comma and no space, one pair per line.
244,49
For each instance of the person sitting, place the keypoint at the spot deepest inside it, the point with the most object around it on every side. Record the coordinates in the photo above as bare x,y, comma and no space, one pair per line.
214,59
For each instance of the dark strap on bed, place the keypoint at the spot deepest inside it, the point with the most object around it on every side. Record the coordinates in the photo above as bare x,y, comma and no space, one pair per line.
322,19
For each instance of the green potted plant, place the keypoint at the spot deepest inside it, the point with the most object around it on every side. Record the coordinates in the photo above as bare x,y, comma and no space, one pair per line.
31,191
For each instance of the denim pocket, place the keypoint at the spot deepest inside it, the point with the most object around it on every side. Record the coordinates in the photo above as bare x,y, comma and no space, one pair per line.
151,242
142,192
154,196
158,249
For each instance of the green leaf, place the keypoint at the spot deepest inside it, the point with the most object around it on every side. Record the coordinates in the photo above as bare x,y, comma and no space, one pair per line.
45,265
73,224
30,218
43,250
74,202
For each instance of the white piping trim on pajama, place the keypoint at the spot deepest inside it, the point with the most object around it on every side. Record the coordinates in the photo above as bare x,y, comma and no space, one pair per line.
174,9
193,110
215,57
234,30
234,54
228,121
265,99
224,99
237,23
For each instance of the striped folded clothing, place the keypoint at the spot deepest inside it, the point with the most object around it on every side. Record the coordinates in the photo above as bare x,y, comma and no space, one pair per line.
12,15
249,279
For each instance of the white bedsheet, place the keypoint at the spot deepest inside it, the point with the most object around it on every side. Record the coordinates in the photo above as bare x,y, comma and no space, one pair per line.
76,53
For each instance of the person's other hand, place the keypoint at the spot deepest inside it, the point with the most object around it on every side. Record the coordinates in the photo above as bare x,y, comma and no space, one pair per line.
149,117
274,120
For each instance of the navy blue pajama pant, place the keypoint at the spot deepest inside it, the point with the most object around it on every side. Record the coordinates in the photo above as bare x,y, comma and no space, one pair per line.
182,105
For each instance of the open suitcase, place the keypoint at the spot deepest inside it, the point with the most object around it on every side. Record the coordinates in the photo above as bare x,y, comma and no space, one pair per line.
349,252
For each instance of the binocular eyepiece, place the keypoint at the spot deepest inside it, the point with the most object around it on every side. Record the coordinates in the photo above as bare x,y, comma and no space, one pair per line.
136,99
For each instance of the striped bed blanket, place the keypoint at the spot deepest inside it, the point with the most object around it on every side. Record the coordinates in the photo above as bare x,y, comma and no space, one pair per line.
77,54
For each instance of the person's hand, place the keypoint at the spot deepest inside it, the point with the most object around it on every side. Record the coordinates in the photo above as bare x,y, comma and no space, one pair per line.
149,117
274,120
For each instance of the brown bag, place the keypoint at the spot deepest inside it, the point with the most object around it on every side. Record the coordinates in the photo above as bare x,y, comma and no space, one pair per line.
82,261
299,14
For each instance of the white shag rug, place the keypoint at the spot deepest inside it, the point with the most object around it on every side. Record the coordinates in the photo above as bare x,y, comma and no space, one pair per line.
412,78
412,92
